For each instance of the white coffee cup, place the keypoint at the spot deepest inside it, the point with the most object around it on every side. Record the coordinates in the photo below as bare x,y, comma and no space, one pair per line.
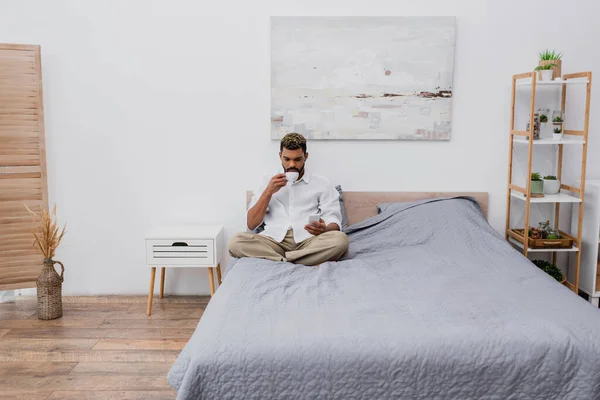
291,176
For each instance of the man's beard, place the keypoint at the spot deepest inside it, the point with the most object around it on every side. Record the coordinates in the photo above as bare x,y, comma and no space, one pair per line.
293,169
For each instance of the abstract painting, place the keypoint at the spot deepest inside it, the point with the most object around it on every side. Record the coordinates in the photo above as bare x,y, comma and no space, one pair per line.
353,78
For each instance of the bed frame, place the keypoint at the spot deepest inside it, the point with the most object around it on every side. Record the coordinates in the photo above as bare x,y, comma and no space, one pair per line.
362,205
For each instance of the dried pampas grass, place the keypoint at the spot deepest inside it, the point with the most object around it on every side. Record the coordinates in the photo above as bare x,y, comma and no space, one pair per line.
47,234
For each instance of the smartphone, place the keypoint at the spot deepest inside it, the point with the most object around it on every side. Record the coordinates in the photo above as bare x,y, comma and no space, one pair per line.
314,218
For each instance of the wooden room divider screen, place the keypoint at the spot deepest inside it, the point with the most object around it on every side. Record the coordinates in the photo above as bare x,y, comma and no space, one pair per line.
22,163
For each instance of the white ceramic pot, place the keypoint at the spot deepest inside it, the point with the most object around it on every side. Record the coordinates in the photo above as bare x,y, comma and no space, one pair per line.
557,136
547,75
551,186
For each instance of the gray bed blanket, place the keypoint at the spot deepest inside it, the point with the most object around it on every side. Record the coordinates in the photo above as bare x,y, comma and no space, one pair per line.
430,303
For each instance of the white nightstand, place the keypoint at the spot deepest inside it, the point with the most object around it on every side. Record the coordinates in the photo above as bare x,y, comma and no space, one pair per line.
184,246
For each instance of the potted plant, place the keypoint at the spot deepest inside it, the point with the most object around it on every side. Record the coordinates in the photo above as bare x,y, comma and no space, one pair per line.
543,118
47,237
545,71
543,231
553,234
537,184
557,120
557,135
550,269
551,184
548,57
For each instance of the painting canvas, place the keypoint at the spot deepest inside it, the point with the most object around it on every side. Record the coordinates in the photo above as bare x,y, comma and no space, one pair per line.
352,78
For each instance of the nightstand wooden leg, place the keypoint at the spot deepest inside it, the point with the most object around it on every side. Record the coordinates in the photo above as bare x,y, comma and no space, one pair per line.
162,282
219,273
152,276
211,281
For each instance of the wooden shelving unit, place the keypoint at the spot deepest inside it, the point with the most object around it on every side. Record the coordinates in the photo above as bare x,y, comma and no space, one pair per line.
568,194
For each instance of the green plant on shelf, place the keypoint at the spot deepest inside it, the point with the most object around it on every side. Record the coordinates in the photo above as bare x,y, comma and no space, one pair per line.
545,67
557,130
543,118
535,176
557,120
550,269
549,55
550,178
543,231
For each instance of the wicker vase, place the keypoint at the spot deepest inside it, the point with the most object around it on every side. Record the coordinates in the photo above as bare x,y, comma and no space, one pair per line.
49,291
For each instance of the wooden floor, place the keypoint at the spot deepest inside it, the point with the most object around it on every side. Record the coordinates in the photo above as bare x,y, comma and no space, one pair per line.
102,348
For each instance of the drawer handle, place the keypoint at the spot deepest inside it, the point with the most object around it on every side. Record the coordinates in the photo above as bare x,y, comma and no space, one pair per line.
179,244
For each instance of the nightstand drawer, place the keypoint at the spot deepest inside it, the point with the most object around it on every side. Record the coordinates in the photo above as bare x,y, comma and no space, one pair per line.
180,252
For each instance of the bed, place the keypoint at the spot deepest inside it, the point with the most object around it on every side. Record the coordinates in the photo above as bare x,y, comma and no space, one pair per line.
429,303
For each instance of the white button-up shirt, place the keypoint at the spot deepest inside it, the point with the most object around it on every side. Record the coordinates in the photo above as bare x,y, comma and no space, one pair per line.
291,206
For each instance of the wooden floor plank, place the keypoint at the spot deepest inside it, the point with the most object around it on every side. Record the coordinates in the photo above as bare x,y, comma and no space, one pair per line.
127,299
168,306
167,356
106,333
15,314
37,323
36,369
161,369
144,344
149,323
113,395
46,344
19,306
32,306
176,313
25,394
84,382
3,332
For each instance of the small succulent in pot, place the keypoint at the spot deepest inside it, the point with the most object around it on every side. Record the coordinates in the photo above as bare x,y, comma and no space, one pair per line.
543,118
537,184
546,71
557,135
551,184
557,120
552,234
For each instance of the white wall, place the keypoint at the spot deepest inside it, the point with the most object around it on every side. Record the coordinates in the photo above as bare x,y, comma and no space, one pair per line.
158,112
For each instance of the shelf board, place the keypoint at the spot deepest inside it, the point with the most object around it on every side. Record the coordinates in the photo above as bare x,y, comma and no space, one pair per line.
564,140
549,198
527,82
573,249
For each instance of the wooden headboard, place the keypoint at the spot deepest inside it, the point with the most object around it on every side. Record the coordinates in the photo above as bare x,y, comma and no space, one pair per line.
362,205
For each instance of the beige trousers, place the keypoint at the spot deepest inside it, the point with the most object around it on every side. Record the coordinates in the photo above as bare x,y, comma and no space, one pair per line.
328,246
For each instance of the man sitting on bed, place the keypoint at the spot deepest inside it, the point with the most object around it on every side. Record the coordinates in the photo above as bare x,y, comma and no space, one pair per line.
284,208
